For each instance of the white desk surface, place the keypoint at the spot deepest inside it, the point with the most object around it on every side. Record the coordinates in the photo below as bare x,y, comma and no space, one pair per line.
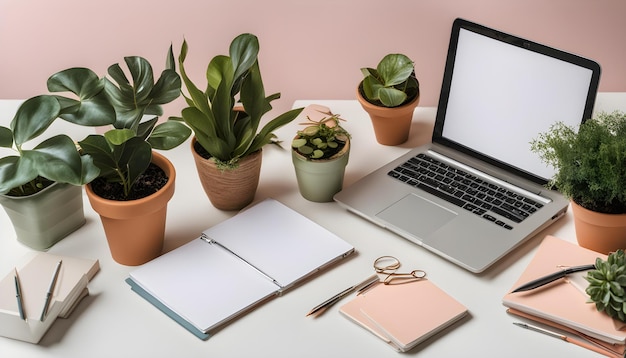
116,322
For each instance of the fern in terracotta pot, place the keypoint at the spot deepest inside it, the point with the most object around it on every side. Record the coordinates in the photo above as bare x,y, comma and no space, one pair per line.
389,93
590,163
225,119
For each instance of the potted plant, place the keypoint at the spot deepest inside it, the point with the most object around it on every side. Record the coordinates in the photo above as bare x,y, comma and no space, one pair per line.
320,154
590,168
225,119
40,186
389,94
135,182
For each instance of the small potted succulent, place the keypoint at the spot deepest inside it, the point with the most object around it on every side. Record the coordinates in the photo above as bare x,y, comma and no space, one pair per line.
225,119
389,93
607,285
40,186
320,154
590,163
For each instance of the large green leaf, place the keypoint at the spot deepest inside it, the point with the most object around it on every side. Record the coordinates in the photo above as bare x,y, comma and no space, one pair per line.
91,106
391,97
15,171
98,148
394,69
33,117
169,135
58,159
243,51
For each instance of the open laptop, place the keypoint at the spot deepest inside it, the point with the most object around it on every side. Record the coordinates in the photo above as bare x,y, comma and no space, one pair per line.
498,93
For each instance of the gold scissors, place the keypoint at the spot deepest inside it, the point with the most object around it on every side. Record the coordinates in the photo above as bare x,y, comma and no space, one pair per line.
388,265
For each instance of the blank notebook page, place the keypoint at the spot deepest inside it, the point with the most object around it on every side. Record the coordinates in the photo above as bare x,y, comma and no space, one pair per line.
203,283
279,241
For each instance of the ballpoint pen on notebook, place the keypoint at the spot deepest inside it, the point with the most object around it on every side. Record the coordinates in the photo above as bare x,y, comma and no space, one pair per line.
18,295
541,281
55,276
319,309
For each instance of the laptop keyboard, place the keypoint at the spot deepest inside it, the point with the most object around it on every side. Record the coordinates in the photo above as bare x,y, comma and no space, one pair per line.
465,190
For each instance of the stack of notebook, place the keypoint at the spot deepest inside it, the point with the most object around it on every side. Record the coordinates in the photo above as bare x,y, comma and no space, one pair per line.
563,306
402,315
40,290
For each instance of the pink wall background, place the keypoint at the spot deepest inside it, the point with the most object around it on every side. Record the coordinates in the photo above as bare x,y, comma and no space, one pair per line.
309,49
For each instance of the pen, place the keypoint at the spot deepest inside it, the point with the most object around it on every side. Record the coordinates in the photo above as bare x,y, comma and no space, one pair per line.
18,295
331,301
50,290
590,345
552,277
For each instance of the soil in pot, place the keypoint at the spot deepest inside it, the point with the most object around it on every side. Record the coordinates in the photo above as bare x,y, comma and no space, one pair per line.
148,183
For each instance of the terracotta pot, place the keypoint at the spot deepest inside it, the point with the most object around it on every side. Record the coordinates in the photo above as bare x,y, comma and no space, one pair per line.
229,189
320,180
44,218
604,233
135,229
391,125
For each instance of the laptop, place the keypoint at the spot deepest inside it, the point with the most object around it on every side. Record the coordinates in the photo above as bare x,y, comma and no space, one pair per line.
477,191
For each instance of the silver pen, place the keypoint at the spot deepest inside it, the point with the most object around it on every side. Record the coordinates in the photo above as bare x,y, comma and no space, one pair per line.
50,290
18,295
319,309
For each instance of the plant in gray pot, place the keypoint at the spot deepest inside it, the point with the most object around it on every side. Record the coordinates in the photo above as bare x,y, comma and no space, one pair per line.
40,185
320,154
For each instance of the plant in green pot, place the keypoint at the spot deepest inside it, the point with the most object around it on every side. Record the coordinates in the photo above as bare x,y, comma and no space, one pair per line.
320,154
389,93
135,182
40,186
590,164
225,119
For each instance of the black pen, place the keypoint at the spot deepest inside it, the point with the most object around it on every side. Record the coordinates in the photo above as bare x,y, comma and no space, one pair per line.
552,277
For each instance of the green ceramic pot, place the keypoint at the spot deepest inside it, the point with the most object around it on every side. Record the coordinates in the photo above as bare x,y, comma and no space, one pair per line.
43,219
320,180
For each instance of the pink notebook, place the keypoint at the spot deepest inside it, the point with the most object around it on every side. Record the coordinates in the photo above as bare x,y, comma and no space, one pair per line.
564,301
402,314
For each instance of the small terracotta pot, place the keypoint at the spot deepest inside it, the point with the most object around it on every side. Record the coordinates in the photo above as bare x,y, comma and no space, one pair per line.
391,125
135,229
229,189
604,233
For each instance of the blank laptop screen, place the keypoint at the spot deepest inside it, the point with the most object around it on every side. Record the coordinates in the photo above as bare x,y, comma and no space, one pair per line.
502,96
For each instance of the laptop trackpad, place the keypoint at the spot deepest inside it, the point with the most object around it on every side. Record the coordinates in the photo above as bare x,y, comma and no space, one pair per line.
416,215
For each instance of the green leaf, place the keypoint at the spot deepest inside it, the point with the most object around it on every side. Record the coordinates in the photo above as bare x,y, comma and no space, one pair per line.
391,97
15,171
169,135
244,50
119,136
394,69
91,107
33,117
6,137
57,159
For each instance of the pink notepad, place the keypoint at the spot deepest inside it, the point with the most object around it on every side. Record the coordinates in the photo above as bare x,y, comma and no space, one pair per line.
403,315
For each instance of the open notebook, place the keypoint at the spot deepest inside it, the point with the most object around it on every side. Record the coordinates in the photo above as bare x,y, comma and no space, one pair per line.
237,264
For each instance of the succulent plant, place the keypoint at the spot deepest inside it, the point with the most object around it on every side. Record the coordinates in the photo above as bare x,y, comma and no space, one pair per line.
321,139
607,285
